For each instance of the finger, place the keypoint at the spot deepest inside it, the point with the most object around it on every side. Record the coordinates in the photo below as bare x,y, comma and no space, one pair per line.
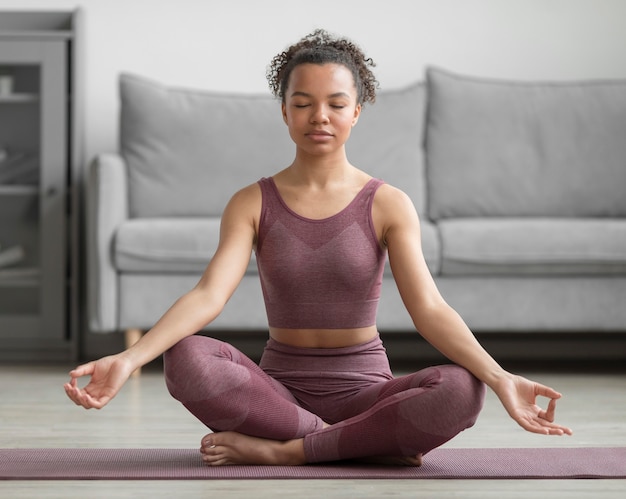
79,397
534,424
558,430
550,428
543,427
84,399
89,402
549,413
546,391
535,427
74,393
83,370
555,429
70,391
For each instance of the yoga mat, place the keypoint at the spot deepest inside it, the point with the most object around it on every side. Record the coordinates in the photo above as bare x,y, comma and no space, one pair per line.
185,464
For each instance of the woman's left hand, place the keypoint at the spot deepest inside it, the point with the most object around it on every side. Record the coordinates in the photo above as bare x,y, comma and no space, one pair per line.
518,395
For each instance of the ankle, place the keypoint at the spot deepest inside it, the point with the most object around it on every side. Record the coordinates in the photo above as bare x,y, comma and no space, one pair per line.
291,452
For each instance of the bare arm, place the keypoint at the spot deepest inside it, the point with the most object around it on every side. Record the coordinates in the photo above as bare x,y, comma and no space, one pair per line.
442,326
201,305
189,314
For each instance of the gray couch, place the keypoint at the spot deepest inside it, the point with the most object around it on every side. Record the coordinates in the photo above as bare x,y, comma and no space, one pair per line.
521,189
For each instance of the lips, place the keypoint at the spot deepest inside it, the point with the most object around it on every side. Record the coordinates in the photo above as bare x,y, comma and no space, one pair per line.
319,135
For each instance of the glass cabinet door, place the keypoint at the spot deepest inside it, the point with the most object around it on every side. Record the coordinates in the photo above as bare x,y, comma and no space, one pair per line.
33,169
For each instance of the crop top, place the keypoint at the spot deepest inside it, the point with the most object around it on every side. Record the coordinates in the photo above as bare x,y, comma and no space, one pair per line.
319,274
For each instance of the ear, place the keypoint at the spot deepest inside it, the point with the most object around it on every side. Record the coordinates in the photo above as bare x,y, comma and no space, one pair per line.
357,113
283,109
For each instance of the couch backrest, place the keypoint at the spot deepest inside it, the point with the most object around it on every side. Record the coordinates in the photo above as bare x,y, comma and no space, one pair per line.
387,142
188,151
497,148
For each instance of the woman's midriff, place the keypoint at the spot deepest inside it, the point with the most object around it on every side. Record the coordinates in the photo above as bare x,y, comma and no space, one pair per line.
323,338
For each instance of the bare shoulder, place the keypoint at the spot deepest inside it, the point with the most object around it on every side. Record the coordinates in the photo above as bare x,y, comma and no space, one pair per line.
393,214
246,200
250,193
392,202
242,213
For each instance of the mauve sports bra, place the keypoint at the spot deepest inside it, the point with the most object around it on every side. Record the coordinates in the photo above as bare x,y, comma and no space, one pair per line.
319,274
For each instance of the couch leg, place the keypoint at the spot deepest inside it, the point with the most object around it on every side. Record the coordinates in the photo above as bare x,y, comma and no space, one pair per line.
132,336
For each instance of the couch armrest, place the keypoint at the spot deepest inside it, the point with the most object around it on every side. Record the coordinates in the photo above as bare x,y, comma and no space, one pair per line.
107,208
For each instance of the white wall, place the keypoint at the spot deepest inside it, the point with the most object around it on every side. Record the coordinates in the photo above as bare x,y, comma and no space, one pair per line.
227,44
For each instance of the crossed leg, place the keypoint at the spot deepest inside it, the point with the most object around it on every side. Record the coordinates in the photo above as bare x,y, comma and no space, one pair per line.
256,420
227,391
409,416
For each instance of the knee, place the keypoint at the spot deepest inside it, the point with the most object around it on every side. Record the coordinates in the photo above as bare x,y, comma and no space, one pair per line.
181,353
469,393
183,362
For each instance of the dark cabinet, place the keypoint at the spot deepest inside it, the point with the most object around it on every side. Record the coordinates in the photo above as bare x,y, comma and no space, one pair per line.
38,178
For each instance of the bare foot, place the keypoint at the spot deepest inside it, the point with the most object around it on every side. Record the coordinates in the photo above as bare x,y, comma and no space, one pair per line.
229,447
393,460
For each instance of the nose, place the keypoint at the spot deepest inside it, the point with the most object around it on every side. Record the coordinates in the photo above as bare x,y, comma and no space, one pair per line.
319,115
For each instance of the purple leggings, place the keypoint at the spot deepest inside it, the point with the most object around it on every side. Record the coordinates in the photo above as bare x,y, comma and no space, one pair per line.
293,391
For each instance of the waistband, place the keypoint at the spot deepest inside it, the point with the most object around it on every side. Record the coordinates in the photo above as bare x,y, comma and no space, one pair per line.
375,343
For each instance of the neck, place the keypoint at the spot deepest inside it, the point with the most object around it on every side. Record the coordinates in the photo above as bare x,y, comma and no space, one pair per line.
320,170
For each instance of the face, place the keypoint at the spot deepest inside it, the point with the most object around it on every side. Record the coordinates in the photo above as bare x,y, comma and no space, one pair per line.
320,107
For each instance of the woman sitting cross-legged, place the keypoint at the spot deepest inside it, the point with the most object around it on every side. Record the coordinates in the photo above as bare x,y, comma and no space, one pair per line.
322,230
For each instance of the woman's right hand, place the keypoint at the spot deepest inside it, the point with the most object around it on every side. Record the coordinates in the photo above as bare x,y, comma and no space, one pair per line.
108,375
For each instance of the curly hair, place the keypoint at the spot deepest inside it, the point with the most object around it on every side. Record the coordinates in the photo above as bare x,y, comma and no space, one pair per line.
320,47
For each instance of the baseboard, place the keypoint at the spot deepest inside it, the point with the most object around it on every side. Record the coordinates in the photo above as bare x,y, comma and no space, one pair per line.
560,350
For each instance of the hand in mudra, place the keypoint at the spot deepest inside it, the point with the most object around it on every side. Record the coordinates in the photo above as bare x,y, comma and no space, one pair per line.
108,375
519,397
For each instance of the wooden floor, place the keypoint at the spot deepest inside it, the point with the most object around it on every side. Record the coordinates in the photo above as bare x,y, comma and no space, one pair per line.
35,413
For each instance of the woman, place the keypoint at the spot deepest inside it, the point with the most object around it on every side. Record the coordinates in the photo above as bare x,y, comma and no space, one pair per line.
321,230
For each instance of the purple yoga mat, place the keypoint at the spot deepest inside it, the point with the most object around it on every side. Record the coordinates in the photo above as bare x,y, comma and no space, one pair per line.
185,464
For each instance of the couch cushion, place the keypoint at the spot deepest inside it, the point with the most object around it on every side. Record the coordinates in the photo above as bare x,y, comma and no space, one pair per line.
162,245
496,148
188,151
387,141
165,245
533,246
387,144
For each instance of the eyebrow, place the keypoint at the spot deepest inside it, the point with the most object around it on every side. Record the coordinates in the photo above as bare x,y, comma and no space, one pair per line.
335,95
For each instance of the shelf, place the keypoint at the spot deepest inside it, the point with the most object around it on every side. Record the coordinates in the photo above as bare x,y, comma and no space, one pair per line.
18,98
29,35
18,190
37,24
19,326
19,277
